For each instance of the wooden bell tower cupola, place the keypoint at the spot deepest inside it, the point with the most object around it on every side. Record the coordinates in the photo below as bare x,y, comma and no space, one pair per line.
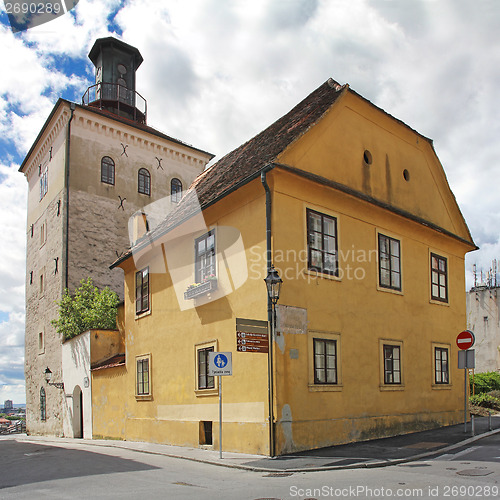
116,63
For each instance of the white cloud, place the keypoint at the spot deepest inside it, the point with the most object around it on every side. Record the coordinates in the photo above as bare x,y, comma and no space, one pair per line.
216,73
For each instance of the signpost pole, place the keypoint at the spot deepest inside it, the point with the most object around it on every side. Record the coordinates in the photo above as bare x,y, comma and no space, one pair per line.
465,398
220,416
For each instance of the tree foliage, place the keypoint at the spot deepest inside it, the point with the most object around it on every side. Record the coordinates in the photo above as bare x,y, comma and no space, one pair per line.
485,382
89,308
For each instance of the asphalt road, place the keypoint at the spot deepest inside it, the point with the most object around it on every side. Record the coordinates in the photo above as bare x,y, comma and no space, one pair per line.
78,470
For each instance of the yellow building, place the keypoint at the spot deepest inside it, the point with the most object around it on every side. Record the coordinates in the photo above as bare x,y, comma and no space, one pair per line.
367,236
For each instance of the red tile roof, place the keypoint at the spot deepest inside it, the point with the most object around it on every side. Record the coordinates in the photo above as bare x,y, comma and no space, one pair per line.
117,360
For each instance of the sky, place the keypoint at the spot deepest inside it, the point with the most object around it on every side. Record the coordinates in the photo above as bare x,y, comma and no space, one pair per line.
216,72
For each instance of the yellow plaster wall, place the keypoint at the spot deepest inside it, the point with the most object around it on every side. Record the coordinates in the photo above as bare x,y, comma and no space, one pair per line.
104,344
334,149
362,315
170,333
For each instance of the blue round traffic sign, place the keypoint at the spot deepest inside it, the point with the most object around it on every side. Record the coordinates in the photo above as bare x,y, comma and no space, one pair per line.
220,360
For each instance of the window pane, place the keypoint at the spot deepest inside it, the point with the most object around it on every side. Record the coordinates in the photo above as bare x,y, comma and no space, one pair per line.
396,280
315,240
330,348
329,226
210,242
442,265
331,376
319,347
395,247
385,278
442,280
329,244
384,261
383,244
395,264
330,262
316,259
320,361
435,277
320,376
315,221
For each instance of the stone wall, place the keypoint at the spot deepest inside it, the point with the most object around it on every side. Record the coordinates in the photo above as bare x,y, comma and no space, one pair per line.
41,308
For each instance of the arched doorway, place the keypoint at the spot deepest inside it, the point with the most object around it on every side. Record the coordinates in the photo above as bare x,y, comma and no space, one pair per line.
77,412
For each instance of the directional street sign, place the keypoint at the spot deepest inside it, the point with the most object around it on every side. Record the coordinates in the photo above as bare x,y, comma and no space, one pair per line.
465,339
252,342
220,363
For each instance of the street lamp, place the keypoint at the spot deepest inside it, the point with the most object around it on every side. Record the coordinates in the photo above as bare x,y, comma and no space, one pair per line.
273,283
48,376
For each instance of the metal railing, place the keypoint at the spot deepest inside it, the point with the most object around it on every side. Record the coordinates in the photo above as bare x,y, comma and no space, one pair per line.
16,428
122,99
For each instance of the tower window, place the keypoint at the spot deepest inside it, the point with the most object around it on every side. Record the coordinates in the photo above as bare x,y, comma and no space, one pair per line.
175,190
44,182
43,405
144,185
107,170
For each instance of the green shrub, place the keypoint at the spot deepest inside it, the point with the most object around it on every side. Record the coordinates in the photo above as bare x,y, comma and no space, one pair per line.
486,401
89,308
495,394
485,382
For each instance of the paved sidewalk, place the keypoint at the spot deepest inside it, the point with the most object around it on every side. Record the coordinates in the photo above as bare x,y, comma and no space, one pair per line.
376,453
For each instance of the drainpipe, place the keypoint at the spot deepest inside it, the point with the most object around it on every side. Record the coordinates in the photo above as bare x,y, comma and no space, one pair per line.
269,314
72,107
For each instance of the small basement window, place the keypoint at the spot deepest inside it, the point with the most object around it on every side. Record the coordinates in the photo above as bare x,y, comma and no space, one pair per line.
206,433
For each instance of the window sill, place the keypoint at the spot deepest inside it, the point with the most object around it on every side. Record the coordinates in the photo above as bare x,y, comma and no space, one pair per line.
395,387
440,387
144,397
319,274
389,290
143,314
439,302
325,387
206,392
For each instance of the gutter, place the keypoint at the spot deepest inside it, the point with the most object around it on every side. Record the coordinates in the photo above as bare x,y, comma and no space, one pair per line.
270,319
72,107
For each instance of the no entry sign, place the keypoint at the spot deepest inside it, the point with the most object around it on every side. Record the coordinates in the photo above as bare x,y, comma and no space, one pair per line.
465,339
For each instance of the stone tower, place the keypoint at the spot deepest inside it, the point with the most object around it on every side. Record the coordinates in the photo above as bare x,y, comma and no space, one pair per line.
92,166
